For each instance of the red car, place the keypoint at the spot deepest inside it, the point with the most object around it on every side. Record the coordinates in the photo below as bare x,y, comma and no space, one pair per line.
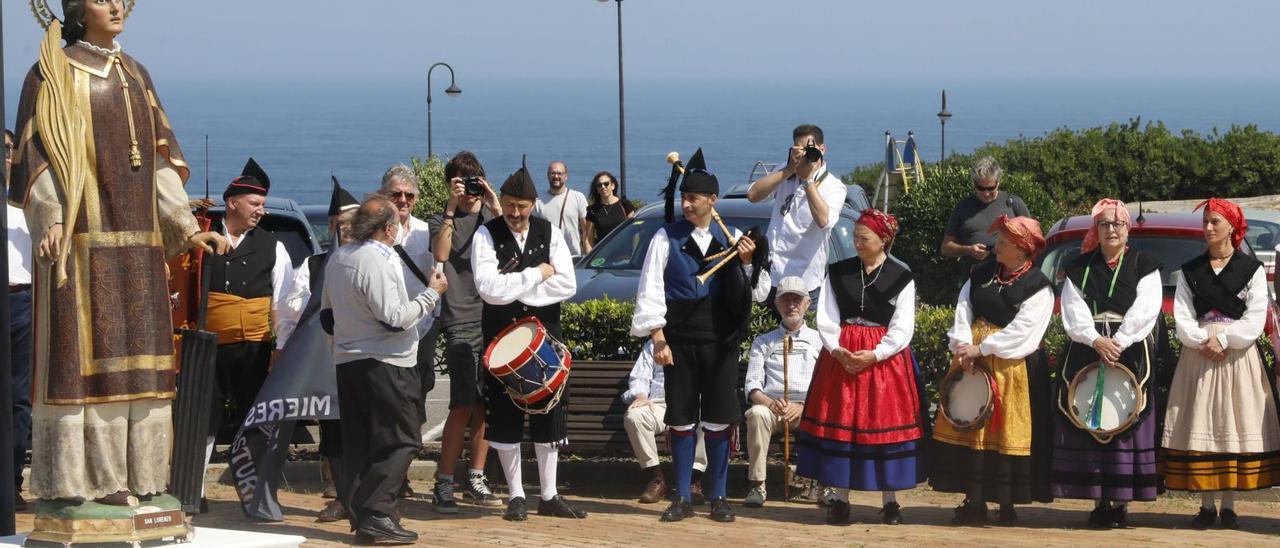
1174,238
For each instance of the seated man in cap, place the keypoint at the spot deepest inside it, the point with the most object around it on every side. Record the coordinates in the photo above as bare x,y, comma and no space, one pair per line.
522,268
246,298
696,320
647,408
776,395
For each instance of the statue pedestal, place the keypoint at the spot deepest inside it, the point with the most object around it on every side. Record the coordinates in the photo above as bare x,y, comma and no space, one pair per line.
65,523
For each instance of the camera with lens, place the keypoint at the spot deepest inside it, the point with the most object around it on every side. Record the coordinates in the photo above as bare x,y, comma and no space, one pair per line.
472,186
812,153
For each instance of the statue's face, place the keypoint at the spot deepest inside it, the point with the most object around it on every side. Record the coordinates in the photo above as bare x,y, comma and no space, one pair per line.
104,17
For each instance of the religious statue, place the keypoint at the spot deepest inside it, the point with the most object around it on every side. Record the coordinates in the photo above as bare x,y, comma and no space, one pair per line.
100,176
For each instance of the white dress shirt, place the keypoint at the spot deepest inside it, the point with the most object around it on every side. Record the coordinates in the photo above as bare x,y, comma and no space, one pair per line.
374,317
646,377
764,363
1077,317
797,245
902,325
526,286
19,247
295,300
566,211
651,298
1012,342
281,280
1241,333
417,244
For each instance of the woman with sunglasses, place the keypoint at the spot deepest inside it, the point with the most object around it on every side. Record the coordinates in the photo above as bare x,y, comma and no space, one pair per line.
606,210
1220,429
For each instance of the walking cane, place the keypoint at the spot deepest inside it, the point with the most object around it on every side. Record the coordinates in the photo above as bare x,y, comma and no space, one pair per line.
786,424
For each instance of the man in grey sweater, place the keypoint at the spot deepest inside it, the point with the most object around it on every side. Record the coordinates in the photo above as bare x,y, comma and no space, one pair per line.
375,347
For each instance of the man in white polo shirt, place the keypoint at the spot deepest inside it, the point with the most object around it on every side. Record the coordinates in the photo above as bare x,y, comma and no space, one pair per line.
19,330
807,199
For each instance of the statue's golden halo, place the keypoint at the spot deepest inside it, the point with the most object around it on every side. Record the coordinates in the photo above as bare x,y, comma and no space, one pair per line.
44,15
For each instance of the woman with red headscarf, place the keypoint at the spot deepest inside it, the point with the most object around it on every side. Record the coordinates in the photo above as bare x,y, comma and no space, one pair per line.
862,418
1110,307
1220,431
1001,315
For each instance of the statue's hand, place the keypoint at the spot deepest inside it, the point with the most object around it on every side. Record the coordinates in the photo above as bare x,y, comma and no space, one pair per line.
211,242
51,244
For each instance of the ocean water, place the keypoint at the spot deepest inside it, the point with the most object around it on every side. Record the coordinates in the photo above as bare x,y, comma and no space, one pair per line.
302,132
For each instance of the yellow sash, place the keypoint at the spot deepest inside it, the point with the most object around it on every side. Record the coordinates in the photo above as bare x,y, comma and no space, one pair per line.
237,319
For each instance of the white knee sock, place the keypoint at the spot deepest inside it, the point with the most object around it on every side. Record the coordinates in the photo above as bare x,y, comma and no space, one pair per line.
842,493
1229,500
1206,501
509,456
208,454
548,458
888,496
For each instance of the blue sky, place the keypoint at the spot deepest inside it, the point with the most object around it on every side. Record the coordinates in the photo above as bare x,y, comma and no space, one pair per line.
253,42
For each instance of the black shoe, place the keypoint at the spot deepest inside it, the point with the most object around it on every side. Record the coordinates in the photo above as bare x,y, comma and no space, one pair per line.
837,512
19,503
1120,517
379,529
204,505
892,513
1228,519
560,508
1100,518
678,510
969,513
516,510
720,510
1006,515
1205,518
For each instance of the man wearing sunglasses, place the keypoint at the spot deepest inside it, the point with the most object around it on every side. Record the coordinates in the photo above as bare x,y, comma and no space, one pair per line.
967,236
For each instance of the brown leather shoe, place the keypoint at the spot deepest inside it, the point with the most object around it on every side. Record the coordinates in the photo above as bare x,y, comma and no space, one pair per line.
655,491
333,511
695,494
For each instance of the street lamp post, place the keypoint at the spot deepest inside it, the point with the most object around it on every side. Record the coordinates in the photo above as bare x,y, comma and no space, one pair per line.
453,91
943,116
622,119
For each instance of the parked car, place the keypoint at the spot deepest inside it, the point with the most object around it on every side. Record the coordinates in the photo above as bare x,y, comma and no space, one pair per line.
1264,235
318,217
285,219
1173,238
612,268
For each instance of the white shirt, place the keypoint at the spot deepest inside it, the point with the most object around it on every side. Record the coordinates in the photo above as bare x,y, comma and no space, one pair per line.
1077,317
566,211
19,247
1239,334
646,378
651,298
764,363
294,301
797,245
374,317
281,279
417,244
526,286
902,325
1015,341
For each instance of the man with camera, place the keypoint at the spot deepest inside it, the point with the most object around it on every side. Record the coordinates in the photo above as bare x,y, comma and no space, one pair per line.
807,199
968,236
472,203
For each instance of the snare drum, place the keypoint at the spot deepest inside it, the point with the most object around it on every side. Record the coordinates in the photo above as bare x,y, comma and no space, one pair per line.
966,399
530,364
1106,408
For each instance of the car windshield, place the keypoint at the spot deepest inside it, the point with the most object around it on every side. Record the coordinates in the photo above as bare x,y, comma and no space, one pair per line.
625,249
1263,235
1171,251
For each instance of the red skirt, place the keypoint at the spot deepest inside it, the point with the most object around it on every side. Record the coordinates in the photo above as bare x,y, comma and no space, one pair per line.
875,406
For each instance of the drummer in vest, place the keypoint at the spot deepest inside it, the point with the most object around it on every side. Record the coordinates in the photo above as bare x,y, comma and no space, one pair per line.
342,210
246,294
1110,305
862,419
695,328
1000,320
1220,429
523,268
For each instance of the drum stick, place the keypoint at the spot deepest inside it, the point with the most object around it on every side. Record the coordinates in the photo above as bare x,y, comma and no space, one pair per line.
786,424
